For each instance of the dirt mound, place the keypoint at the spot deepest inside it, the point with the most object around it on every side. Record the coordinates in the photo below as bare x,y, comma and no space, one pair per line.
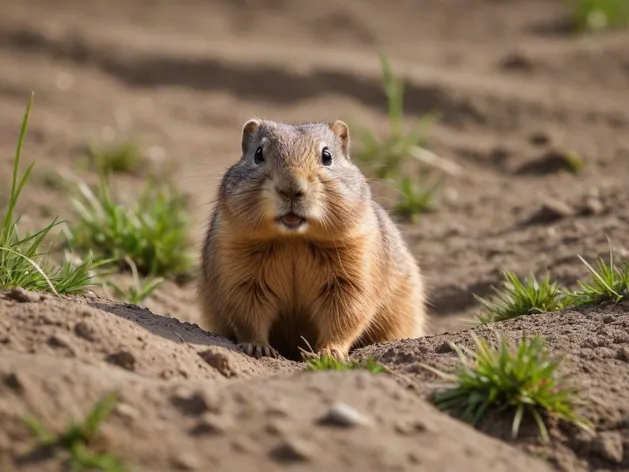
197,401
594,340
188,401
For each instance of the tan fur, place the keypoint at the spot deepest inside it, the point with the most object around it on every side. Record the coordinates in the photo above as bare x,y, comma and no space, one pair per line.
345,279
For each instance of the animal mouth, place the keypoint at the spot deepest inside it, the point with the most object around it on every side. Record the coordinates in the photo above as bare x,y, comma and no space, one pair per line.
292,220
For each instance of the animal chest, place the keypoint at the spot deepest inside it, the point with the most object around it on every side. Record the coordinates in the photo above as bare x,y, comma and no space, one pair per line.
296,275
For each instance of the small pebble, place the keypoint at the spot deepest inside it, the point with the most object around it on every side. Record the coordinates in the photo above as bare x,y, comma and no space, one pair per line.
294,450
557,208
410,427
58,340
219,361
593,342
212,424
123,359
276,428
127,411
593,206
551,211
609,446
623,354
517,60
444,348
166,374
85,331
551,162
341,414
14,381
190,403
186,461
540,138
46,319
246,445
278,410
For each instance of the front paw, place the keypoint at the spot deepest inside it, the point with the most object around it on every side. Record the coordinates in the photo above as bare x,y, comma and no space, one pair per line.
334,353
258,350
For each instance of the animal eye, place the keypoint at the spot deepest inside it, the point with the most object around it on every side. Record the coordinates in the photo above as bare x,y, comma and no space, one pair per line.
326,157
258,158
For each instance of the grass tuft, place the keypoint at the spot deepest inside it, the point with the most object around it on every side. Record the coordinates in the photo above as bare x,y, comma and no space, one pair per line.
124,157
140,289
521,297
415,198
152,233
329,363
22,260
78,439
591,15
522,379
386,157
609,282
574,162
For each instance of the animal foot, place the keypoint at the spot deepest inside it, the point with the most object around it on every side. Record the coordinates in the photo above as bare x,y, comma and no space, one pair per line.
334,353
258,350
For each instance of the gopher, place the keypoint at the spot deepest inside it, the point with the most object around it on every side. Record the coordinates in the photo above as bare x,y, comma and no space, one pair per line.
298,256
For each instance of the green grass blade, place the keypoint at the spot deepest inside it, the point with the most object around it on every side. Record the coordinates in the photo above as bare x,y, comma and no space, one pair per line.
597,275
540,424
38,429
35,266
99,413
18,153
517,420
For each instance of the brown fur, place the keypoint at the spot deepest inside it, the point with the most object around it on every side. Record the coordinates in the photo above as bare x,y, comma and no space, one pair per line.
347,280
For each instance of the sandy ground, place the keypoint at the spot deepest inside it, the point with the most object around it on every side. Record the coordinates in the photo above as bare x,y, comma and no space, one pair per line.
514,88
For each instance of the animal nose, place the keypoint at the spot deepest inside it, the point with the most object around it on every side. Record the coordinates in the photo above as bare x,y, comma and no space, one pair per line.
290,192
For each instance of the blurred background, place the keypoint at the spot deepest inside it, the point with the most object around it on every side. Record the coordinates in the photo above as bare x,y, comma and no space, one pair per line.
496,132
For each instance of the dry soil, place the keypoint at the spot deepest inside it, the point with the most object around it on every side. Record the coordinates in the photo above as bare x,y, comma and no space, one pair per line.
516,89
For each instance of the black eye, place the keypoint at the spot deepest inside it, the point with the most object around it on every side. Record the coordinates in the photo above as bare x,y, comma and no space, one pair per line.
326,157
258,158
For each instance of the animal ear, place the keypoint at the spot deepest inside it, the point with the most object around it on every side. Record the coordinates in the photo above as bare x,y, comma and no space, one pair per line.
249,128
341,130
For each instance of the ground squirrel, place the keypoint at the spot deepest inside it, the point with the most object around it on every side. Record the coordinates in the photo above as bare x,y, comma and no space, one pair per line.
296,248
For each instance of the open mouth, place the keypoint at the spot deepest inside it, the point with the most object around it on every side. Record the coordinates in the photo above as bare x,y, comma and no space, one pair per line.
292,220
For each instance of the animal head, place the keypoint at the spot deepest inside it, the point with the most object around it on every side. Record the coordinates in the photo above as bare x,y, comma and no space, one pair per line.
294,180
